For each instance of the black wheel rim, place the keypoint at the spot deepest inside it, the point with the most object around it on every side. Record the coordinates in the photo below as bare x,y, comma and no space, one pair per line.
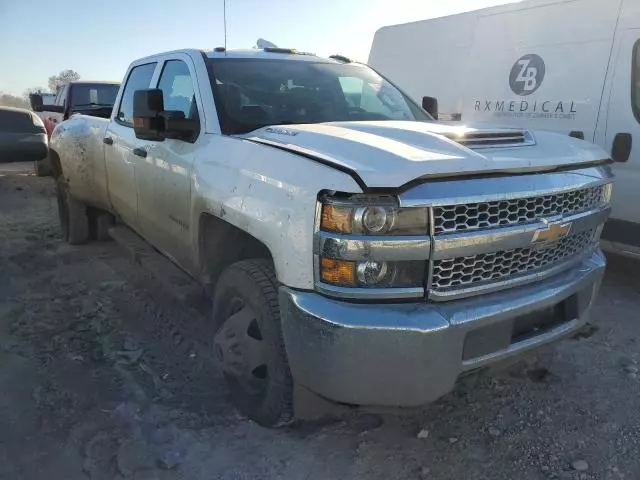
240,348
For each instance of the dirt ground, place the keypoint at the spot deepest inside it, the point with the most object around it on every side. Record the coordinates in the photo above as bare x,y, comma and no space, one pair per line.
99,379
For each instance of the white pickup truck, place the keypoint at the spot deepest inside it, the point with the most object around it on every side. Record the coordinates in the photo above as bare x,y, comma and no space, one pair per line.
353,247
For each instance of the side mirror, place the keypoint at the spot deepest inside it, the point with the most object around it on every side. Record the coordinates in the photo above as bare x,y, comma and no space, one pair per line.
35,99
147,106
577,134
621,147
430,105
179,127
152,122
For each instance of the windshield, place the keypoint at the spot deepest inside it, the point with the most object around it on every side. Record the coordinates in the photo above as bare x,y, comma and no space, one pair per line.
253,93
95,94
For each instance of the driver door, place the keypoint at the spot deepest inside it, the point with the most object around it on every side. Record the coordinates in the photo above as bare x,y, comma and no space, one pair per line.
163,179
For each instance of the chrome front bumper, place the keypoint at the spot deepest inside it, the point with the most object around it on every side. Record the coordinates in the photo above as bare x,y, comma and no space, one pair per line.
409,354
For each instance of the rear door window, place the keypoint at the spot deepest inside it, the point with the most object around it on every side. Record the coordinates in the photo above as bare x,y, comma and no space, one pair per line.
139,79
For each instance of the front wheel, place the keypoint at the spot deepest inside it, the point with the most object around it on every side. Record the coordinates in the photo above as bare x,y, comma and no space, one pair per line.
248,342
74,221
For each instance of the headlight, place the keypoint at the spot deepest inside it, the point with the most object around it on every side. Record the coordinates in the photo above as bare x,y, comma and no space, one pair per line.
365,216
607,191
375,220
370,242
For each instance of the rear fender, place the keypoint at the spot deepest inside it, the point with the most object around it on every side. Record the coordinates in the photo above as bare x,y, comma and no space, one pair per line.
78,145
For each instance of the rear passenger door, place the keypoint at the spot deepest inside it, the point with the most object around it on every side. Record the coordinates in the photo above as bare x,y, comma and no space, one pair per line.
164,177
121,154
622,132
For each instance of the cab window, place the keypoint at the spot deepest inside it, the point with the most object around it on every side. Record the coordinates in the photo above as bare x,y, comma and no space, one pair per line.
177,89
139,79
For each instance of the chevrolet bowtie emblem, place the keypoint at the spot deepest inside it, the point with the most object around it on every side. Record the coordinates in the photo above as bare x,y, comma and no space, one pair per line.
552,232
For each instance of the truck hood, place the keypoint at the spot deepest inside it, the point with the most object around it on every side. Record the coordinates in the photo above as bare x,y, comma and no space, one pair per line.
393,153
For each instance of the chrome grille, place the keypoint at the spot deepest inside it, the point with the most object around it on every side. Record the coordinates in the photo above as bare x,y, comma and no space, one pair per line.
461,272
475,216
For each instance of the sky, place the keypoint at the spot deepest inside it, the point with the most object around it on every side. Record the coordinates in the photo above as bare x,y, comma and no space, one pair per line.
99,38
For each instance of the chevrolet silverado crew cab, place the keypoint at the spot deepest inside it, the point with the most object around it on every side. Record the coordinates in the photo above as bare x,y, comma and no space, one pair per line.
354,248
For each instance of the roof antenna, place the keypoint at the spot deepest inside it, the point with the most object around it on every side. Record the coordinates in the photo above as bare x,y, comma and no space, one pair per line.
224,14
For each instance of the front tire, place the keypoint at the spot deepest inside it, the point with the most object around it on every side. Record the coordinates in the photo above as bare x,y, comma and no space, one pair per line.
74,221
248,342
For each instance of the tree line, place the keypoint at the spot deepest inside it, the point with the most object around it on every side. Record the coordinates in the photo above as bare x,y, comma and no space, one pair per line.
53,83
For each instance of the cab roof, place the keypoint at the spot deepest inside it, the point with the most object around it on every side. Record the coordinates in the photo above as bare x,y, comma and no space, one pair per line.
256,53
271,53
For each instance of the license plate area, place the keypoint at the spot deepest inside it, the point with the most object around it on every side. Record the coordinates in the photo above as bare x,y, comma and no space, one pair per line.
536,323
499,336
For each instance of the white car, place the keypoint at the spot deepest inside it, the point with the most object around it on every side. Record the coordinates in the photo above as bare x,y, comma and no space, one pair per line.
570,67
353,248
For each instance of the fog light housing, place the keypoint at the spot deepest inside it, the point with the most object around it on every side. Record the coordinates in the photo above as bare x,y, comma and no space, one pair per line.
337,272
372,273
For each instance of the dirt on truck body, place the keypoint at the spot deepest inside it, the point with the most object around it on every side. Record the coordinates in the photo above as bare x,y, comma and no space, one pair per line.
101,378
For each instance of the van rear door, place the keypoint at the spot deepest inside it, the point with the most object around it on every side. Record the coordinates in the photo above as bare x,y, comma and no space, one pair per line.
622,131
541,66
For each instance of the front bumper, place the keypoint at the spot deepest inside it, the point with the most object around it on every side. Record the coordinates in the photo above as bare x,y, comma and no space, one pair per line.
409,354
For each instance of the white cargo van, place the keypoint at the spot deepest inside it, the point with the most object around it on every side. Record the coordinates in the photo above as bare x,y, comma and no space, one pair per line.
570,66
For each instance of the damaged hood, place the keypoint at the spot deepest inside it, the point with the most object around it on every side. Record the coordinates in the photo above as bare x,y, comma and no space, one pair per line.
393,153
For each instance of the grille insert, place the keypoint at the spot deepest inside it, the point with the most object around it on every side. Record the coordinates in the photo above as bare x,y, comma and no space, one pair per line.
501,213
461,272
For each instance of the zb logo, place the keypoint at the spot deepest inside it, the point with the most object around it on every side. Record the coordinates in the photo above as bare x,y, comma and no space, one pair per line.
527,74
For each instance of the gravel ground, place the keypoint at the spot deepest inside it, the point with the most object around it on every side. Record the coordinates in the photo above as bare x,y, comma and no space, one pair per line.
99,380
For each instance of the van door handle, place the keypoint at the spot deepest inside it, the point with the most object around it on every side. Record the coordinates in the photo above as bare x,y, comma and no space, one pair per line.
140,152
107,140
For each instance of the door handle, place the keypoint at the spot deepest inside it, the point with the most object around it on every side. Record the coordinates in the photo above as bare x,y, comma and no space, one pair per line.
140,152
107,140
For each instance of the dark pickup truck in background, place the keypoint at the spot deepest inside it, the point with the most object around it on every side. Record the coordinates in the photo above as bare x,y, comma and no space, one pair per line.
88,98
85,97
